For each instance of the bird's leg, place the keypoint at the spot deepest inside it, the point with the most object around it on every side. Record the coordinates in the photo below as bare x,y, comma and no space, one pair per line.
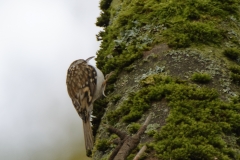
108,76
103,88
105,82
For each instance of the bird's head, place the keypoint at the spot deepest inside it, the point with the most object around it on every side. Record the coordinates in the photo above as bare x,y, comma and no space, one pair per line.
74,63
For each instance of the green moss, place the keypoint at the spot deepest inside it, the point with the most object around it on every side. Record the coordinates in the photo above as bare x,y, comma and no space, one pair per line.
133,115
102,145
152,129
235,69
197,120
134,153
143,156
129,68
99,110
194,130
133,127
115,98
113,137
232,53
131,157
238,142
236,99
235,77
105,4
201,77
193,32
103,20
235,73
161,85
138,25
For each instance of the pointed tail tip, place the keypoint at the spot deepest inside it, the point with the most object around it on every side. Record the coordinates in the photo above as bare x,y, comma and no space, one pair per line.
89,153
88,136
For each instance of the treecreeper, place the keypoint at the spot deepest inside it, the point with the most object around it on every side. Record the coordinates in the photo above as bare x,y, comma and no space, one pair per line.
85,84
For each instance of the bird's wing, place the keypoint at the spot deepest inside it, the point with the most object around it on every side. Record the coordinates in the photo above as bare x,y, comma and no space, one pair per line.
81,85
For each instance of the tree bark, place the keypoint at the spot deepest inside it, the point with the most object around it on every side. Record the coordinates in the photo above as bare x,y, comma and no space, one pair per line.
139,154
127,143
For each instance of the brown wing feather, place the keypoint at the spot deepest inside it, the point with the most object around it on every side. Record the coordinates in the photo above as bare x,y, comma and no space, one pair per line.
81,85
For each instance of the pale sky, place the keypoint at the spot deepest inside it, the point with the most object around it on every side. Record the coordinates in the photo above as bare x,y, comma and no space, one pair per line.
38,41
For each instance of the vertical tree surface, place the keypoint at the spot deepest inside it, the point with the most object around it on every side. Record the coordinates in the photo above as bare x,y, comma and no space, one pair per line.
179,61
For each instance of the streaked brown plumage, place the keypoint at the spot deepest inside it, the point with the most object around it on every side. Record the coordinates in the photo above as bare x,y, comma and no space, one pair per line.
85,83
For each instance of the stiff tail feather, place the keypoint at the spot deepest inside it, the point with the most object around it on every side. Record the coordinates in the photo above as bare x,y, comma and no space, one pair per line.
88,136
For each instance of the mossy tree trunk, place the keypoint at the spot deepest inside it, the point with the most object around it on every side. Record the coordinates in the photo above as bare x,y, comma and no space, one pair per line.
180,62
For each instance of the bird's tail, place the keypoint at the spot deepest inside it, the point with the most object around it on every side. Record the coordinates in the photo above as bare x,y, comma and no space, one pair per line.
88,136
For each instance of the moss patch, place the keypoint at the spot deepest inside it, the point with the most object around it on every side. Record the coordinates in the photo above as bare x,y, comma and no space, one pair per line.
102,145
196,124
232,53
137,25
133,127
201,77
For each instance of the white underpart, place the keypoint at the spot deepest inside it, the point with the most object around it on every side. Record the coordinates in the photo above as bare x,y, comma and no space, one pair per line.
99,88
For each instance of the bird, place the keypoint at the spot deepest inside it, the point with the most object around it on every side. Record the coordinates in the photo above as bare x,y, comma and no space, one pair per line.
85,84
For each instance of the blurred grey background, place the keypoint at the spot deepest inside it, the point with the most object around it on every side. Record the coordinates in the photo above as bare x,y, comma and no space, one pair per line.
38,41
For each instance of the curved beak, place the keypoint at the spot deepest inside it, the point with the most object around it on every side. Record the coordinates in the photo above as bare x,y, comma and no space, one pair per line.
89,58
